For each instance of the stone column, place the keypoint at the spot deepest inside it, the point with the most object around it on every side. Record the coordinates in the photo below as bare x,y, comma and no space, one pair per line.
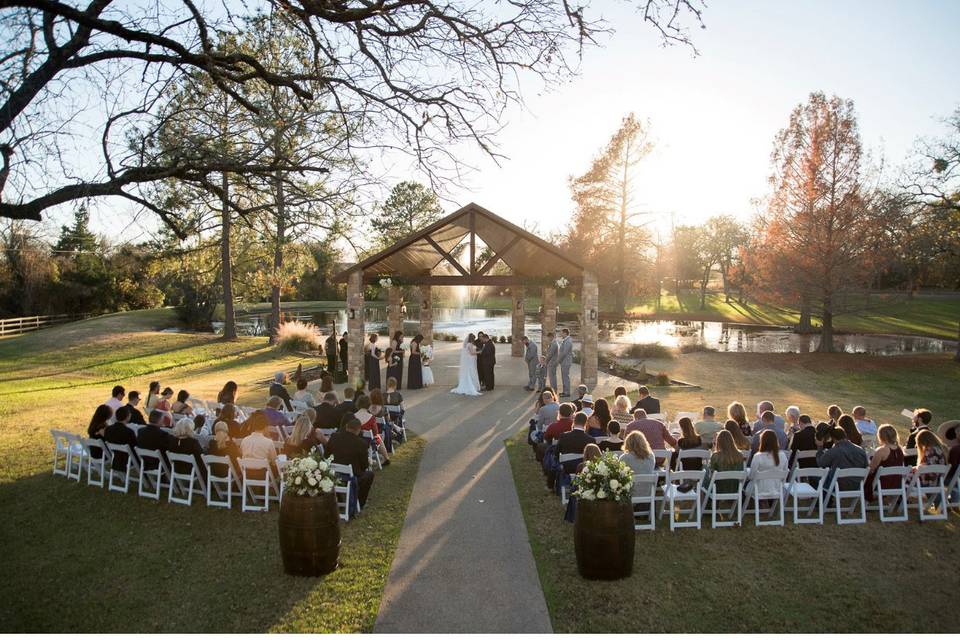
394,312
517,327
355,327
548,320
426,314
589,332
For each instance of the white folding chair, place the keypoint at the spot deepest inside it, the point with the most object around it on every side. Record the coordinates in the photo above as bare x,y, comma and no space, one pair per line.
933,490
75,456
692,454
184,474
806,484
712,499
343,491
898,494
674,498
154,473
250,501
224,486
567,457
838,495
299,405
280,463
665,456
396,410
373,451
61,451
130,472
772,478
97,466
645,506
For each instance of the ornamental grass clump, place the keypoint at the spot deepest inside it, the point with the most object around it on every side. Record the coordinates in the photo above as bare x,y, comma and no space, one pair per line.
604,478
298,336
310,475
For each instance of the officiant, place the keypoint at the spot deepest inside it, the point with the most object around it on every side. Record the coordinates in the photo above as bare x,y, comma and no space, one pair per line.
486,359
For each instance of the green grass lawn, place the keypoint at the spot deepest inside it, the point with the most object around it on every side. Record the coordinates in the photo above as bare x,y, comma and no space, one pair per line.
797,578
79,559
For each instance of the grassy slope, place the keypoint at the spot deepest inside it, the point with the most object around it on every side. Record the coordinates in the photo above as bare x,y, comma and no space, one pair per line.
155,566
776,579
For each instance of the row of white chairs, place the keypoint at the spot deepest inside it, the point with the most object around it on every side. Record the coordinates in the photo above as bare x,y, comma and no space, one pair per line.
252,480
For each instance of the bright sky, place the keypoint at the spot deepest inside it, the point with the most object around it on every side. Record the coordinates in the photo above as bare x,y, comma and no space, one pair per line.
714,116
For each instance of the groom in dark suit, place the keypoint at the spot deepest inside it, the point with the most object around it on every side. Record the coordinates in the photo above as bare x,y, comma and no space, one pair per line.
486,359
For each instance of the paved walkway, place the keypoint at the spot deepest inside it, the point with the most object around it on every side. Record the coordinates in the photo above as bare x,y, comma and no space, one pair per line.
463,563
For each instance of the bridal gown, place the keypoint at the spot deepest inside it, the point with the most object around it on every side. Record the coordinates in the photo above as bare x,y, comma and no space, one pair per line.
469,380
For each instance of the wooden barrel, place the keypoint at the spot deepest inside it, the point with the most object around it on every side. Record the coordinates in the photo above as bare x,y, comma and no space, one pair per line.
603,537
309,534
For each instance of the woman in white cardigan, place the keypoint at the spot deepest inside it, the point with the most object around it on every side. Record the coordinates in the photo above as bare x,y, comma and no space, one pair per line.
768,457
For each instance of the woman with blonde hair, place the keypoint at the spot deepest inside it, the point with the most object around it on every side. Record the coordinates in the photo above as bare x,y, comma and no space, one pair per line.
621,410
185,442
889,454
930,451
741,441
738,413
302,440
590,452
638,455
726,457
222,444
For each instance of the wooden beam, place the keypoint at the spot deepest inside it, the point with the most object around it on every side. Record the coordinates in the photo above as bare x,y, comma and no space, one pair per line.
473,242
468,280
492,261
453,261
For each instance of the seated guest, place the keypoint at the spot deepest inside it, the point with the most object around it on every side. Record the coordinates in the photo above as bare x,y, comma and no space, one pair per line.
348,447
849,426
593,427
228,415
768,422
648,403
102,416
619,391
842,455
653,430
200,425
278,389
563,424
621,410
726,457
152,436
930,451
274,415
153,396
222,444
708,427
303,395
581,391
601,409
547,412
165,403
951,437
791,420
613,441
228,395
185,442
763,407
575,440
120,433
834,412
865,425
741,441
326,382
889,454
258,444
116,399
180,405
368,422
805,439
347,406
393,397
133,399
586,404
689,439
302,440
738,413
638,455
329,415
768,457
921,422
590,452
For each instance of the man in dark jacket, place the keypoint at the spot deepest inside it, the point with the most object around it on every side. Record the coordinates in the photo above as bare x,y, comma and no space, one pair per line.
347,446
153,437
842,455
646,402
133,399
120,433
278,389
329,415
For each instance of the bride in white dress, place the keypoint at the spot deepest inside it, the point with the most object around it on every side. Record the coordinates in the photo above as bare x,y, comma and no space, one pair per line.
469,383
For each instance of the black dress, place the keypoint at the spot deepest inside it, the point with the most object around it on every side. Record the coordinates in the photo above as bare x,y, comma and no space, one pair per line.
344,347
373,369
331,348
395,367
415,368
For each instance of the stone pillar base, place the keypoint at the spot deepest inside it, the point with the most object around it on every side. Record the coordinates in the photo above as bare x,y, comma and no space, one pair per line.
426,314
548,319
517,327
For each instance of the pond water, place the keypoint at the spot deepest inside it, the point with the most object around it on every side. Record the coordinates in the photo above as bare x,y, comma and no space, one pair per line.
615,336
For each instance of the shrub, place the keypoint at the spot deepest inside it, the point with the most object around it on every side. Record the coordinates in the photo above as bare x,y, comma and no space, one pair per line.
298,336
441,336
663,379
696,348
645,351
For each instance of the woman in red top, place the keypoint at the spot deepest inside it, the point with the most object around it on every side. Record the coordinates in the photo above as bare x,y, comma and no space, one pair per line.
888,455
368,422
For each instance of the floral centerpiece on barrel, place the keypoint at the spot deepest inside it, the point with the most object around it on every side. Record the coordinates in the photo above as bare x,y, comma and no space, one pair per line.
309,521
603,527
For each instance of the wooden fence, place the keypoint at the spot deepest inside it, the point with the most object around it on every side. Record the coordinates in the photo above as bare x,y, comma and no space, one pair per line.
14,326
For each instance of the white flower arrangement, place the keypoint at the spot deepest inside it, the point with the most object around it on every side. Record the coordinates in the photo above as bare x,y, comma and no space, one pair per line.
605,478
562,283
311,475
386,283
426,355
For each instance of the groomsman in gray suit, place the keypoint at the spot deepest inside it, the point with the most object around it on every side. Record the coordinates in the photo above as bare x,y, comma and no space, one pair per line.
566,359
532,357
553,351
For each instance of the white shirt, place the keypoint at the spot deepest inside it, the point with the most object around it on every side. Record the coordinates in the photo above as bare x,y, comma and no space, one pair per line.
114,404
257,445
867,426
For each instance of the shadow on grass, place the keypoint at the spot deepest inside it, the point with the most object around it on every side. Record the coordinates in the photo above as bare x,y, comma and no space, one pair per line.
79,559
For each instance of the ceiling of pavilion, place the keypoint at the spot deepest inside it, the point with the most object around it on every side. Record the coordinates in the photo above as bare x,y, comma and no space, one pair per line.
422,254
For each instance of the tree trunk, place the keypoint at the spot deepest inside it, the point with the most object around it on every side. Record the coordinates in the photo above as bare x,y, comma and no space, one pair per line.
703,288
226,262
277,258
620,295
726,284
826,330
804,326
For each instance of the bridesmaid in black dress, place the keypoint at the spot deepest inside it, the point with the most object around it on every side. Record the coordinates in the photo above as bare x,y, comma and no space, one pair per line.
415,368
395,365
373,362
